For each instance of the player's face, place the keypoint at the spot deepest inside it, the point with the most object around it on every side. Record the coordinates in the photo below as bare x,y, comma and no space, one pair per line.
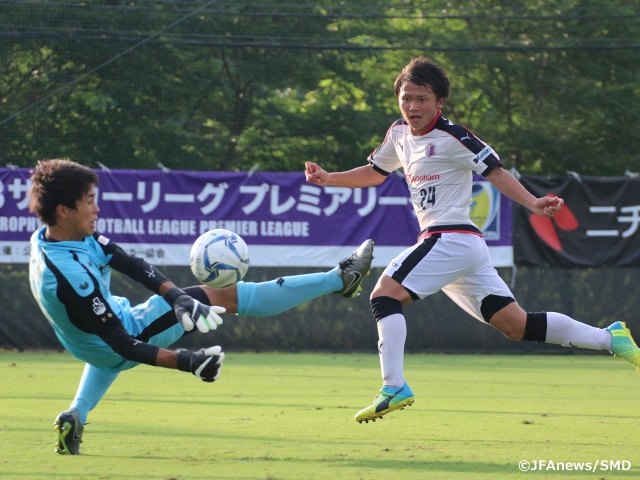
419,106
81,222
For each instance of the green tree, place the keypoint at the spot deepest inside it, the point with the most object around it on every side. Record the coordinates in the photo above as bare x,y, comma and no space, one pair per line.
552,87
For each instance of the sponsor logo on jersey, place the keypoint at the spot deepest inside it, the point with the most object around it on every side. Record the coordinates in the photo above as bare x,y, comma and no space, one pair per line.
430,149
421,178
484,153
103,240
98,307
84,286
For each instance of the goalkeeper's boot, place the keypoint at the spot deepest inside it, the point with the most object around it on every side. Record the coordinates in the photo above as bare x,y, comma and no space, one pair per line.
387,400
69,431
623,345
354,268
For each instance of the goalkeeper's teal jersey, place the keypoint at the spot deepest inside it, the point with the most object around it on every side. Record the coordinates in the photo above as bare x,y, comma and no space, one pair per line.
71,282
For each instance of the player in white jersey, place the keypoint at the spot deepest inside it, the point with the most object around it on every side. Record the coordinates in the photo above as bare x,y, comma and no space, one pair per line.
438,168
438,159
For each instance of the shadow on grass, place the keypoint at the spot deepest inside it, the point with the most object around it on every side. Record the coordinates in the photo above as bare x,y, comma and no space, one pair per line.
427,469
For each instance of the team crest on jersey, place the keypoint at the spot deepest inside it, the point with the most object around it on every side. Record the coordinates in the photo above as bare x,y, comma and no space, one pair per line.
98,307
430,150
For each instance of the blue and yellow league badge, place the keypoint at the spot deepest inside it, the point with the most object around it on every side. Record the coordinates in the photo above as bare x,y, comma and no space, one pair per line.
485,209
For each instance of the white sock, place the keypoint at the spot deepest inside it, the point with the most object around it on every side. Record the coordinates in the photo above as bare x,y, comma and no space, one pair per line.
566,331
392,331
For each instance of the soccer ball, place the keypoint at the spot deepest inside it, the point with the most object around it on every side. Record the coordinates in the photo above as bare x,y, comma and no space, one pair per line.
219,258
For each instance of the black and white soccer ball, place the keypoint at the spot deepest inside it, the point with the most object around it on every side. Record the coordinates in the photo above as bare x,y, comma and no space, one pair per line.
219,258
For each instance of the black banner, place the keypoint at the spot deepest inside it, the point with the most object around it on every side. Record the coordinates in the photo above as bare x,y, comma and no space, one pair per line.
598,224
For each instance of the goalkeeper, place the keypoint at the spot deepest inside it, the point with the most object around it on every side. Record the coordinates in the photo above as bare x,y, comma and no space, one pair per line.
70,273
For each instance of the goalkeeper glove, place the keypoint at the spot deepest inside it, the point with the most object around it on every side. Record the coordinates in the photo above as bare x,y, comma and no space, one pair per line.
204,364
190,311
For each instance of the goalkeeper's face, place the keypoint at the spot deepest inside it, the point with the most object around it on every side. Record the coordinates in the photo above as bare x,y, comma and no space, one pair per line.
81,221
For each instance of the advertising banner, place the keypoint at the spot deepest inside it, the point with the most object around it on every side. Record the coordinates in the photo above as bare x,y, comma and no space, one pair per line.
285,221
597,226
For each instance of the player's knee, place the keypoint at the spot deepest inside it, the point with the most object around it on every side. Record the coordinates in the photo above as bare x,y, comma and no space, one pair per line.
510,327
531,328
382,307
511,331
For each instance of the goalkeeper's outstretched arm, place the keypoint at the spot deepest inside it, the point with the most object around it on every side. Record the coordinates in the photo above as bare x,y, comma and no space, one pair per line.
205,364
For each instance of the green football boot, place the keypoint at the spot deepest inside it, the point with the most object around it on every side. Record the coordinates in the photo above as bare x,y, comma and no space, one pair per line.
623,345
387,400
69,432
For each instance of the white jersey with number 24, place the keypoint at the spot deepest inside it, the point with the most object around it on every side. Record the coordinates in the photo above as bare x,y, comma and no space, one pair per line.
438,167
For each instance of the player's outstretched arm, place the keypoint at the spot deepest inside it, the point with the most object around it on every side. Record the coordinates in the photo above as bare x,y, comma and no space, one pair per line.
508,185
360,177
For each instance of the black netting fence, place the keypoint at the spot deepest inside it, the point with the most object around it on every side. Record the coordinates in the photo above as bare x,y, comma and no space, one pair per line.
331,323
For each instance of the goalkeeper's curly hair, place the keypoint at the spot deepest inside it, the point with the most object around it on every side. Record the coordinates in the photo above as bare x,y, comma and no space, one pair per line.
58,182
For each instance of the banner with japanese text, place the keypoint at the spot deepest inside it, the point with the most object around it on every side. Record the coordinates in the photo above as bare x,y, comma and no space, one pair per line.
285,221
597,226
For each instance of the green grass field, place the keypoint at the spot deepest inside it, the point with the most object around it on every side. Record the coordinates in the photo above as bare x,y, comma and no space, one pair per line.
290,416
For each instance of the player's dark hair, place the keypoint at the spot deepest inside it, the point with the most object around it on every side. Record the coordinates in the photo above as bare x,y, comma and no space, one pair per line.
58,182
424,72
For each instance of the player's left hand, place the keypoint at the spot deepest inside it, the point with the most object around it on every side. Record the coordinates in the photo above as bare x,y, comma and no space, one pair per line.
190,312
548,206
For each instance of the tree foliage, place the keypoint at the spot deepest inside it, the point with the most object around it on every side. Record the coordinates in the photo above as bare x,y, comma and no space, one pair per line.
551,86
